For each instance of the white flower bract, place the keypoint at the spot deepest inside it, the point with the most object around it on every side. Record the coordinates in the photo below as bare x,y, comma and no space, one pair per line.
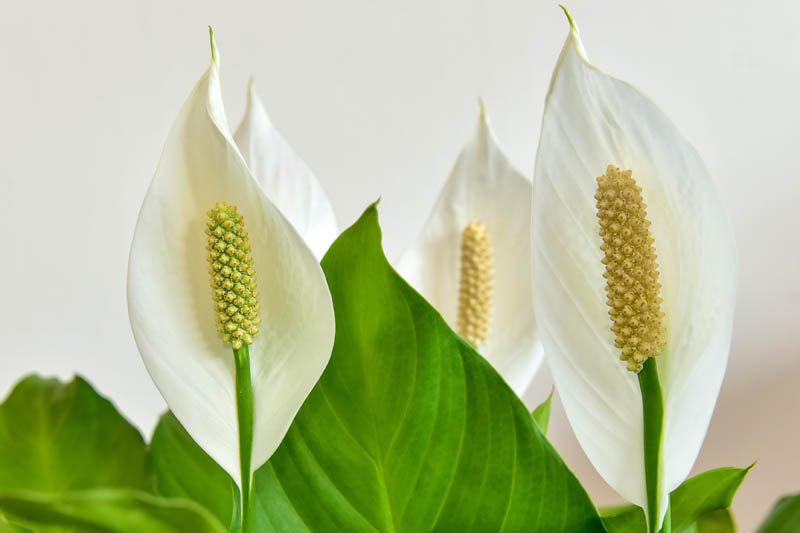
484,187
284,177
171,306
591,121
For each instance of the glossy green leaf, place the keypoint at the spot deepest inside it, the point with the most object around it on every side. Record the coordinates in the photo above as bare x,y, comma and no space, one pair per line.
6,527
784,517
693,500
720,521
409,429
184,470
108,511
705,493
66,437
624,519
541,415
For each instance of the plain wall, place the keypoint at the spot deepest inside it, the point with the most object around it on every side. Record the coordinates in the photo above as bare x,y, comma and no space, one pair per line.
379,97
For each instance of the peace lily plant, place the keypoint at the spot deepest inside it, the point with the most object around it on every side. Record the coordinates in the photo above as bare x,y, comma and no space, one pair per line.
634,265
472,259
332,396
228,305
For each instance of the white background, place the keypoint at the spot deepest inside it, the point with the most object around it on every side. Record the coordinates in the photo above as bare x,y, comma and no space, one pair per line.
378,97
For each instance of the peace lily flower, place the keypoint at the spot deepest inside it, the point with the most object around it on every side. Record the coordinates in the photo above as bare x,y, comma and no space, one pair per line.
234,361
472,259
634,272
284,177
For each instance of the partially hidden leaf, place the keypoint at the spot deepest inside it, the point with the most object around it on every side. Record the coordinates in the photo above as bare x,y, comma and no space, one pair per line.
6,527
704,493
541,415
57,437
720,521
108,511
694,505
184,470
784,517
409,429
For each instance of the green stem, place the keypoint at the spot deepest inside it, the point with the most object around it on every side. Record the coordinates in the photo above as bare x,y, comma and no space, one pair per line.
244,409
653,413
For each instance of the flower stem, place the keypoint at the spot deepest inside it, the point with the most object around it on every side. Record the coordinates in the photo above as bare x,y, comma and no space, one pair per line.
653,412
244,409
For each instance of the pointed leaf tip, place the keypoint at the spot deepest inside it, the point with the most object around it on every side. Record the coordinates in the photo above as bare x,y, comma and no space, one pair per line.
367,226
372,209
572,25
541,415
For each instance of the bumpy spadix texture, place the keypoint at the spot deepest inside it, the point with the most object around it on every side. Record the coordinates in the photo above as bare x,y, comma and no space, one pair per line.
631,272
592,119
170,302
233,277
476,284
485,186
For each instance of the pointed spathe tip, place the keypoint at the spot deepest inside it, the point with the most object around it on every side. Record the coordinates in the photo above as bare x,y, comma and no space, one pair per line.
482,107
251,93
483,118
214,53
572,25
484,133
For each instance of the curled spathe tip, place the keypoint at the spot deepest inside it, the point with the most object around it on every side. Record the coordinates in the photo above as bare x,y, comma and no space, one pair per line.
214,53
572,25
482,108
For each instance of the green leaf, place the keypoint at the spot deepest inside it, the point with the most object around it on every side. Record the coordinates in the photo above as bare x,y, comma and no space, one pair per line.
184,470
720,521
6,527
696,498
409,429
784,517
107,510
541,415
58,437
624,519
705,493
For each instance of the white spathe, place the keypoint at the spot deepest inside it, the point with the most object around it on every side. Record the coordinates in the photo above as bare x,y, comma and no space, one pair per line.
483,186
170,300
592,120
284,177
